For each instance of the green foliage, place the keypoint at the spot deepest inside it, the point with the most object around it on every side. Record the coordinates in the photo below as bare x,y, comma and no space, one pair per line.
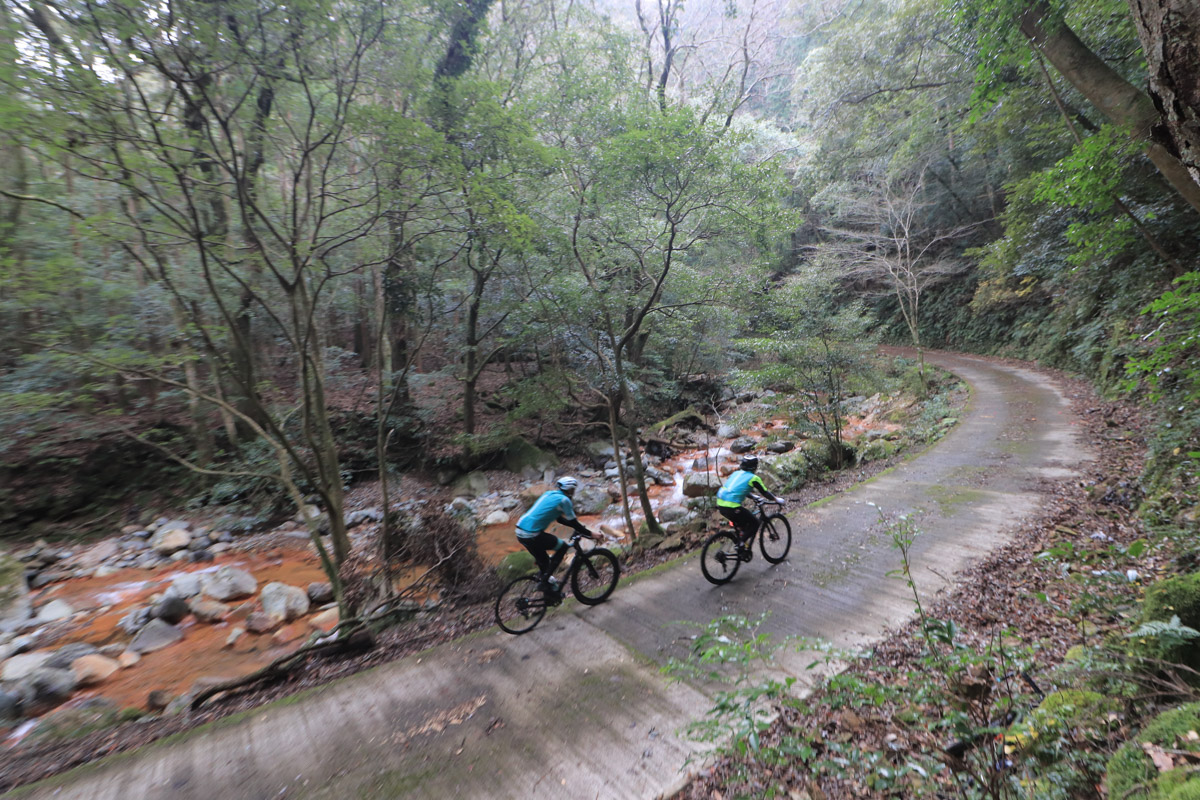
733,651
1131,769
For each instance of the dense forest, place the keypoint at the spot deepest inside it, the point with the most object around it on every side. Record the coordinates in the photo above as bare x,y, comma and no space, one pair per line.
252,253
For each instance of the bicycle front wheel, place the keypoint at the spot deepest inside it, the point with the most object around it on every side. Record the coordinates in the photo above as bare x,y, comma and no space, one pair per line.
521,606
594,576
775,538
720,558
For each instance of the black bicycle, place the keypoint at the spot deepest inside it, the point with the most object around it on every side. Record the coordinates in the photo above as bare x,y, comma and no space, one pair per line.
725,550
592,575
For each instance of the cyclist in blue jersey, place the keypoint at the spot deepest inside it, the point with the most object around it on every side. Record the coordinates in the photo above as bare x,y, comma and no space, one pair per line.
553,506
731,495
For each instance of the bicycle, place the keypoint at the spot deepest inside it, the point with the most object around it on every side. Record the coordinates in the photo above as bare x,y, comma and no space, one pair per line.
592,575
725,551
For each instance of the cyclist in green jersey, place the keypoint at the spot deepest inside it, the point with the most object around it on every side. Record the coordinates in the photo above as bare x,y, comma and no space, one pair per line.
731,495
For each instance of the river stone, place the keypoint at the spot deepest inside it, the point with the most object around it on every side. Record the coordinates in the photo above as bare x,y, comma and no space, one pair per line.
98,553
46,688
93,668
672,513
520,455
135,620
283,602
599,452
128,659
155,636
727,431
261,622
64,656
532,492
320,593
780,447
22,666
54,611
15,607
10,707
742,444
701,484
591,500
185,585
228,583
355,518
158,699
497,517
209,611
234,636
326,621
171,609
169,540
473,484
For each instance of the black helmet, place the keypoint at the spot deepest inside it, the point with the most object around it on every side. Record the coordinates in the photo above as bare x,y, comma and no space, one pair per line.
749,463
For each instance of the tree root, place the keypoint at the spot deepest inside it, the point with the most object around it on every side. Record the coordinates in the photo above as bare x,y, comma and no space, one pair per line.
358,640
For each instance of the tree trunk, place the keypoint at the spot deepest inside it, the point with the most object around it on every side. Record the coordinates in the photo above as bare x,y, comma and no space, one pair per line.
1170,34
1116,98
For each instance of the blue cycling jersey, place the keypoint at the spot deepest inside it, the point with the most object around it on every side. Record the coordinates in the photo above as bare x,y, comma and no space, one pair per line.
737,487
548,508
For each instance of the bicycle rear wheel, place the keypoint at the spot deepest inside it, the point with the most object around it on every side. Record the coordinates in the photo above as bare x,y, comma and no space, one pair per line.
521,606
775,538
594,576
719,560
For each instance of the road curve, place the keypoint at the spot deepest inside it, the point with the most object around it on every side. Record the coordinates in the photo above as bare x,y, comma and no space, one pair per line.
579,709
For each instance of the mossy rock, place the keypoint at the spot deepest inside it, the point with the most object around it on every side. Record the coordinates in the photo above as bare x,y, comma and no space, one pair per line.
1189,790
1130,767
514,565
14,595
878,450
65,724
520,454
1178,596
1078,708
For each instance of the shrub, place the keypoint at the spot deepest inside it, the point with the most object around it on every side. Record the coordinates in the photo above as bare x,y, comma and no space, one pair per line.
1177,596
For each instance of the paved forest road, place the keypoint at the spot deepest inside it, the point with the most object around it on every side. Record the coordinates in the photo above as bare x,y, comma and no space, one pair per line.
578,708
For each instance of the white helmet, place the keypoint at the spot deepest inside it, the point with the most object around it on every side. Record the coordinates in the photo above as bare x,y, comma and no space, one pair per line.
567,484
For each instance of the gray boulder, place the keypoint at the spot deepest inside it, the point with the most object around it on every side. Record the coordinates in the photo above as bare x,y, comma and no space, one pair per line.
155,636
320,593
209,611
15,607
134,620
780,447
701,484
497,517
591,500
44,689
356,518
24,665
283,602
228,583
473,484
727,431
672,513
599,452
54,611
171,537
185,585
10,706
171,609
743,444
63,656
